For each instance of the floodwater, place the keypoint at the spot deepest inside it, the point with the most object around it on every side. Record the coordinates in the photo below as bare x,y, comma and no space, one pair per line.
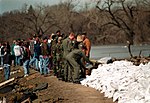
118,51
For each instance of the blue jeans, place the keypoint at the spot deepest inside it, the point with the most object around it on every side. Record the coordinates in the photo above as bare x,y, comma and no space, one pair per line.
6,71
34,61
44,63
26,67
18,60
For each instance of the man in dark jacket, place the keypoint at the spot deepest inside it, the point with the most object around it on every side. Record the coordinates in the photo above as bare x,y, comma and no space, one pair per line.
44,57
26,59
37,52
7,63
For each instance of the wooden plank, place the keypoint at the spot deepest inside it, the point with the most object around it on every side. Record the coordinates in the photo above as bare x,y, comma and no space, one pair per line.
6,82
14,72
26,101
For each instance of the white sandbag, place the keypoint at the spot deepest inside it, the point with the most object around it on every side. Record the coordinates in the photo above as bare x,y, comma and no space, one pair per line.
122,81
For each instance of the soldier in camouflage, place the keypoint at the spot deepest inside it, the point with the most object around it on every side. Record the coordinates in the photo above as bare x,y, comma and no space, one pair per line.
74,60
59,53
67,45
53,54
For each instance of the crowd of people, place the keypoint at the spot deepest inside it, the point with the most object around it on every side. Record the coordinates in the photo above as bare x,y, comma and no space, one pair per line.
66,57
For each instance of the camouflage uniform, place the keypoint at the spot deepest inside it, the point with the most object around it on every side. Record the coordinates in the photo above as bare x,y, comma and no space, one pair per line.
67,46
74,60
53,54
59,63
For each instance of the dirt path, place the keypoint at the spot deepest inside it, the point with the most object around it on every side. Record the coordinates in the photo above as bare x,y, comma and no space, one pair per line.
63,92
59,91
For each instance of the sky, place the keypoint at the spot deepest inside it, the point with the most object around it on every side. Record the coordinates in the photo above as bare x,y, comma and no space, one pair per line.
8,5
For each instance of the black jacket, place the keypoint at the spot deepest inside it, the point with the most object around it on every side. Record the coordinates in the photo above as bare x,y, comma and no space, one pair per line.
7,58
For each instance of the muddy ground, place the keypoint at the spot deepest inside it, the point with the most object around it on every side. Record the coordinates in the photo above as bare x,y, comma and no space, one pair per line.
57,91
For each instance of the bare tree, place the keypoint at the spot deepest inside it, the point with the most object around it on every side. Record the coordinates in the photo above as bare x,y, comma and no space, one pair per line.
39,20
67,14
122,14
112,21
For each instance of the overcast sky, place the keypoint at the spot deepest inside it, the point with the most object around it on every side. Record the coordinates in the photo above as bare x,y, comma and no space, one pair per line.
8,5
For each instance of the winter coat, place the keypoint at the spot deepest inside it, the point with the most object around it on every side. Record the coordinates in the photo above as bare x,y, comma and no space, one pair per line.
45,49
87,45
37,50
7,58
26,54
67,46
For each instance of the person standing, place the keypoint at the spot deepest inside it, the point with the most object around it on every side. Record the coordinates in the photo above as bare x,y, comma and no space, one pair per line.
3,45
26,60
7,63
31,47
44,57
67,45
53,54
8,47
18,53
86,49
87,44
37,52
59,58
13,53
50,40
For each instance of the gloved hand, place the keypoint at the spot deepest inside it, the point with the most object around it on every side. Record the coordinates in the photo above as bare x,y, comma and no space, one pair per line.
88,65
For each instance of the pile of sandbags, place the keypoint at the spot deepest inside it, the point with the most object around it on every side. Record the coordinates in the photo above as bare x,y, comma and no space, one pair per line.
122,81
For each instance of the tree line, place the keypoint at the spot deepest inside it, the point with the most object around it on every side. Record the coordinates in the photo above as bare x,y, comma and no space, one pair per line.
107,22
